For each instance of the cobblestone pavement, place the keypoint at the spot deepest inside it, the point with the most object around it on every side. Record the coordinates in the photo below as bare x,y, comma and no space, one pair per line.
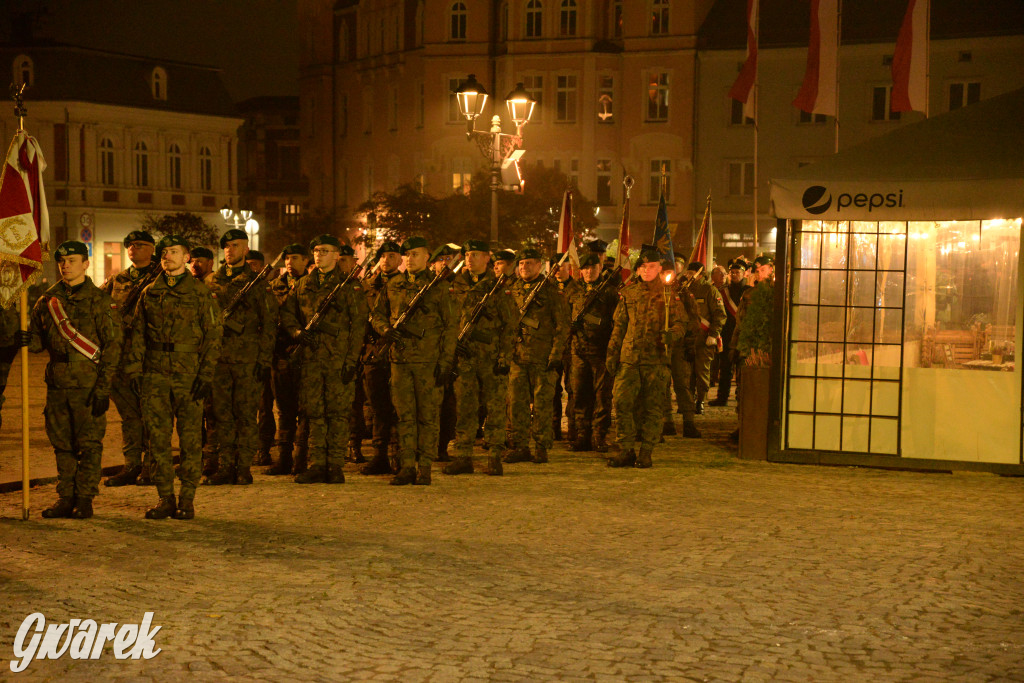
702,568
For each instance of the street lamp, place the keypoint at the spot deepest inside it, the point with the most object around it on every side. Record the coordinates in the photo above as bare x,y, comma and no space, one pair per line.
243,220
502,150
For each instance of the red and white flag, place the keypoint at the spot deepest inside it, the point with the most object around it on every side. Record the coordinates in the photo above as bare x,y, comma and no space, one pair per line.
622,258
910,61
704,244
818,93
743,89
24,220
566,243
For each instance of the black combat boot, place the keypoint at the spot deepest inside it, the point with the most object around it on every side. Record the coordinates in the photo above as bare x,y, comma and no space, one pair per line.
600,442
423,475
540,454
335,474
406,475
460,465
512,455
698,405
643,460
244,476
263,458
720,400
83,508
301,459
210,461
669,429
144,477
284,461
223,476
556,431
623,459
494,467
581,442
126,477
186,509
165,509
690,430
314,475
442,452
379,463
355,451
62,508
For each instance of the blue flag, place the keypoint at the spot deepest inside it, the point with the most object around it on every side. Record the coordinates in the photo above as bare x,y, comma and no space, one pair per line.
662,237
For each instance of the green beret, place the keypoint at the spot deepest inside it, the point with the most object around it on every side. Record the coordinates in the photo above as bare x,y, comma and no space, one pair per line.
414,243
138,236
70,248
695,266
648,254
738,263
475,245
529,252
346,250
597,246
504,255
253,255
233,234
763,260
202,252
591,259
386,246
443,250
296,248
324,240
171,241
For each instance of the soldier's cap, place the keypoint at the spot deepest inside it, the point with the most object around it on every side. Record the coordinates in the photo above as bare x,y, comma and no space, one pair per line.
346,250
386,246
70,248
504,255
529,252
591,259
695,266
738,263
171,241
648,254
414,242
680,257
324,240
764,260
202,252
597,245
445,250
296,248
233,234
138,236
475,245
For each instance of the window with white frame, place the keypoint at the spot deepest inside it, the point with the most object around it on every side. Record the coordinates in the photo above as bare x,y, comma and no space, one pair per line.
606,99
566,94
174,166
457,21
567,19
657,96
503,21
534,19
454,113
881,104
141,159
736,117
107,161
462,175
660,176
962,93
534,85
617,13
158,83
659,17
205,169
808,118
741,178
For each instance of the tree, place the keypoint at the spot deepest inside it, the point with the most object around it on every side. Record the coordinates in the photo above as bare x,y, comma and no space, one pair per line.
185,224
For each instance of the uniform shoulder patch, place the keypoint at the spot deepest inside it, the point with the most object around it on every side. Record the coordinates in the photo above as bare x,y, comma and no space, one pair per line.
113,306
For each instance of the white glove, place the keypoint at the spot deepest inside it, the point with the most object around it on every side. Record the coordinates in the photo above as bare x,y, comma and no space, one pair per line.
711,341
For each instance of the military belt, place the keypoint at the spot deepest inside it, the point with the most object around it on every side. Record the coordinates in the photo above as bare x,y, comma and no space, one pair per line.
170,348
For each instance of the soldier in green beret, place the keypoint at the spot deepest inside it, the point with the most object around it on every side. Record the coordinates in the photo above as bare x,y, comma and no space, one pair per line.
201,264
566,285
172,357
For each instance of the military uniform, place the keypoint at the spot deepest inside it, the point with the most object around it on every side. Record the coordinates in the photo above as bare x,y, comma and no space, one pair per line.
592,385
482,367
732,295
691,364
566,288
536,362
175,341
328,363
10,323
77,389
292,435
420,363
246,349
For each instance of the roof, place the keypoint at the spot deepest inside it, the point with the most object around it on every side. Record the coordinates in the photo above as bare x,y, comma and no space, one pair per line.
787,23
967,164
64,72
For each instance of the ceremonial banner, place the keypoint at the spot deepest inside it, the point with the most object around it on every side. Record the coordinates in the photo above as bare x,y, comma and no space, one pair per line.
704,244
24,221
566,243
743,89
622,259
662,236
910,60
818,93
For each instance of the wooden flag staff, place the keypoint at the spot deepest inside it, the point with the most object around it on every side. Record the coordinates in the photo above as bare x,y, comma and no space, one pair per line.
18,95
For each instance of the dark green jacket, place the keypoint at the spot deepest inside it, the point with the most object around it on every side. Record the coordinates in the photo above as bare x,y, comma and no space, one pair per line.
598,321
249,332
341,329
640,321
432,329
545,339
495,332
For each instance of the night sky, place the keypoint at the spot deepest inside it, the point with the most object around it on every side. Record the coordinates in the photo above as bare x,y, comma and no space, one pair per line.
254,41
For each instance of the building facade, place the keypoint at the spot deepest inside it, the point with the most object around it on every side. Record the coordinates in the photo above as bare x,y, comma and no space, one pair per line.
123,137
614,82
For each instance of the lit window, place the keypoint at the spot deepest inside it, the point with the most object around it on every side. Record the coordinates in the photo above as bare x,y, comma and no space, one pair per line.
657,97
659,17
457,26
606,99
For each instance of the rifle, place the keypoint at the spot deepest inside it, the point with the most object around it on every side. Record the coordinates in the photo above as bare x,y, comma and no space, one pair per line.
611,279
474,316
131,302
531,322
313,324
244,291
401,325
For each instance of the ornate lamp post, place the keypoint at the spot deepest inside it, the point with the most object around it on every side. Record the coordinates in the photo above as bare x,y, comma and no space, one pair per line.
243,220
503,151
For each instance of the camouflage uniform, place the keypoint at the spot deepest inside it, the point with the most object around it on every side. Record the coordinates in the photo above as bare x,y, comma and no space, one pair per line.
292,432
592,385
10,323
489,346
377,384
530,380
72,381
246,346
325,400
637,354
566,288
133,442
175,341
693,360
428,346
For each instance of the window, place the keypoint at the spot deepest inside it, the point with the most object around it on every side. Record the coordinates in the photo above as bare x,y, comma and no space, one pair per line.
503,19
141,158
393,108
963,93
567,18
606,99
535,86
343,41
24,73
419,22
881,102
660,169
112,253
421,104
657,97
462,176
174,166
205,169
454,114
368,111
604,182
741,178
107,161
736,117
574,172
659,17
812,118
158,83
534,19
457,22
617,18
342,115
565,99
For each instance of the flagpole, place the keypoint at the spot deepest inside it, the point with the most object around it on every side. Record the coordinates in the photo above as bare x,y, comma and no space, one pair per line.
928,58
839,35
757,118
19,111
